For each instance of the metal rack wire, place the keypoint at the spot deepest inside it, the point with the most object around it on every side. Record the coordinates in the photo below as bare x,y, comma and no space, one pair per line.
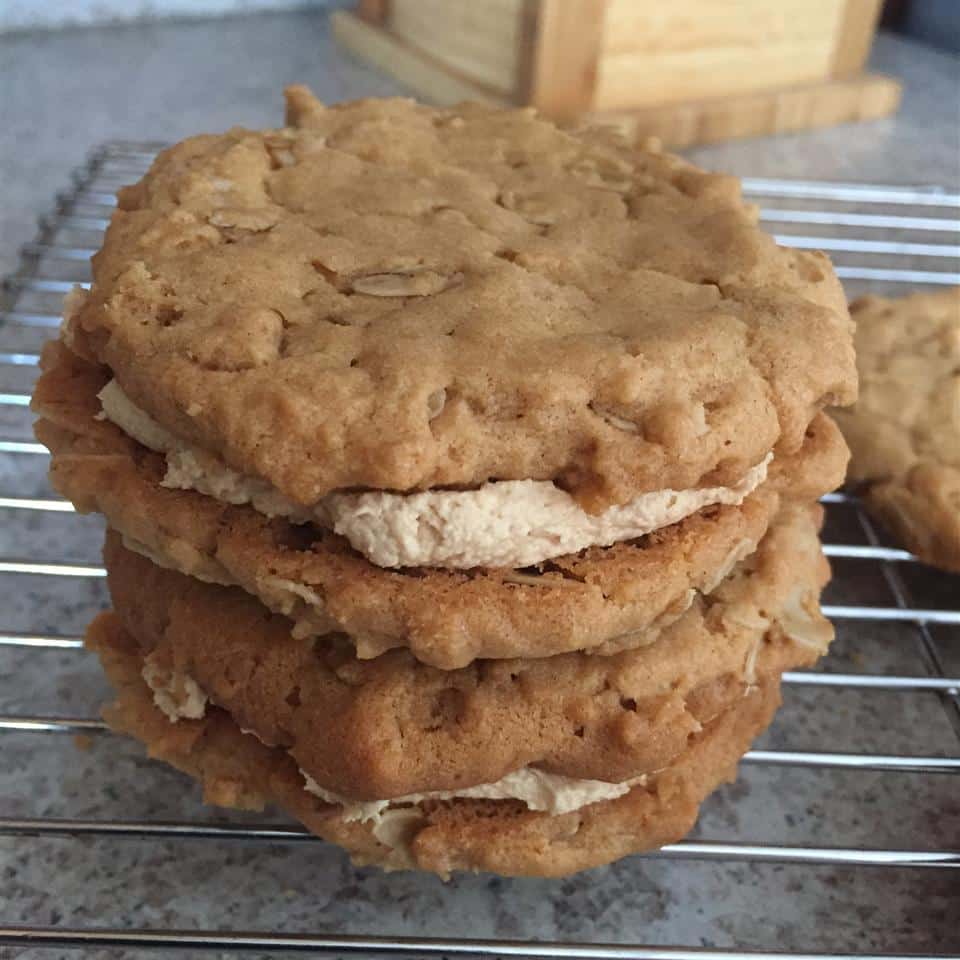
884,238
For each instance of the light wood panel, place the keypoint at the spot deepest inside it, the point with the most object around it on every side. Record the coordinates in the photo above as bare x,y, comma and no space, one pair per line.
481,41
821,104
424,75
569,39
656,53
677,63
855,36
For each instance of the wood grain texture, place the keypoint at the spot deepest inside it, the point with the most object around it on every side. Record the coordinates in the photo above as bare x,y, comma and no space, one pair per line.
569,37
806,107
424,75
855,37
435,81
787,108
655,53
478,40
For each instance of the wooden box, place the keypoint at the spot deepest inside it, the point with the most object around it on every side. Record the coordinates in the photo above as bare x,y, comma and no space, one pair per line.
687,70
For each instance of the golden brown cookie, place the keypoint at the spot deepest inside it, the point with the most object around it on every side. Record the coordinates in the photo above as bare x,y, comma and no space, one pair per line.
376,729
385,295
236,770
904,432
603,599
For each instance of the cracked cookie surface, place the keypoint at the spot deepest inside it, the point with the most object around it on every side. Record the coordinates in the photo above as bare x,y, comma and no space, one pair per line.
390,296
904,431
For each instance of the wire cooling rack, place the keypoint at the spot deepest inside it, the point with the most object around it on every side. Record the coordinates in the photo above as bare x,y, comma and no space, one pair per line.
862,844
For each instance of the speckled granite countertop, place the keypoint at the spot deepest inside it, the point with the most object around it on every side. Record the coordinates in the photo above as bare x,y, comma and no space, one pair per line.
66,92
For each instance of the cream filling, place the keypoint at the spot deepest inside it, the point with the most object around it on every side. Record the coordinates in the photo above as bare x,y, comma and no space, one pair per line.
177,695
547,792
509,523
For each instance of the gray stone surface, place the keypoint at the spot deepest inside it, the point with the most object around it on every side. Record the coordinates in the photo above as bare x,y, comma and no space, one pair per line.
70,92
31,15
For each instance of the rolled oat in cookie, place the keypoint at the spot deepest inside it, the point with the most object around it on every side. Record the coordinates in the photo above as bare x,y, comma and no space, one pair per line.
601,599
510,523
392,727
904,431
385,296
500,836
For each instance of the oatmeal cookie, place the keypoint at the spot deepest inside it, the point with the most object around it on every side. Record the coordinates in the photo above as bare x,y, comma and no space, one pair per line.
237,770
383,295
603,599
904,432
389,727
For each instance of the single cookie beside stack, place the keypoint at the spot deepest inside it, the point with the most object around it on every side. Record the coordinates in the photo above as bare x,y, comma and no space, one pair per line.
904,431
461,475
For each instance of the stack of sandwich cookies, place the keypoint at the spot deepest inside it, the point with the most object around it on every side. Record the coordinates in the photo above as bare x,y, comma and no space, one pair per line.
460,472
566,736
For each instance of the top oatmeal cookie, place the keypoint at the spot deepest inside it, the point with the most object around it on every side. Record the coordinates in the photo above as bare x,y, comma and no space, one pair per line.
385,295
